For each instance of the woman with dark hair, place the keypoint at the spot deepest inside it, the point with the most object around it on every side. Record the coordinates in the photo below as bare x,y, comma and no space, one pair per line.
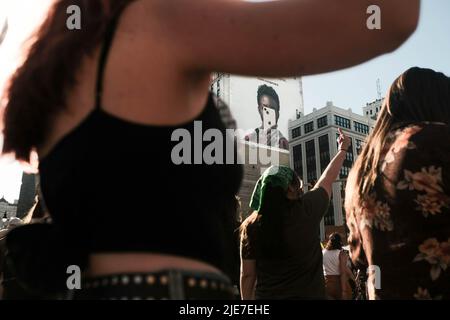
335,269
100,105
398,193
281,256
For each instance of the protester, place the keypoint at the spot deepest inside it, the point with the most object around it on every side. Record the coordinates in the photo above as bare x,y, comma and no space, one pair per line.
280,246
398,193
336,270
100,105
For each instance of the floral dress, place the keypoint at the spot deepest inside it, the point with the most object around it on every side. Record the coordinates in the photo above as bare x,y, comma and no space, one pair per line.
402,228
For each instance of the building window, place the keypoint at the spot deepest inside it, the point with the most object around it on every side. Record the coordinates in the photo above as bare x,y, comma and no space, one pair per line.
348,162
328,219
367,113
298,160
359,145
371,112
342,122
309,127
218,87
324,152
296,132
322,122
343,185
376,109
361,128
311,172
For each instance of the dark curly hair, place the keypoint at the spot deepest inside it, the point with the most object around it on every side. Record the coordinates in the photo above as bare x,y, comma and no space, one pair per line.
265,90
334,242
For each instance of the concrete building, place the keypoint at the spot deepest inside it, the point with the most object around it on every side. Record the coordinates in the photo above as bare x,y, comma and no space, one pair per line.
372,109
7,210
312,141
27,194
240,94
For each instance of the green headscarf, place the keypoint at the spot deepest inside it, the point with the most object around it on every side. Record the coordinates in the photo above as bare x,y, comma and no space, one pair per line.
275,176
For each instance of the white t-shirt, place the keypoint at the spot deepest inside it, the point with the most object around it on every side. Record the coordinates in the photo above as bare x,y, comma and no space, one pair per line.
331,262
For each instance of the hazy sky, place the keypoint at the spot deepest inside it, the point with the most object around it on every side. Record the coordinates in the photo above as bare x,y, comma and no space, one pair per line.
354,87
351,88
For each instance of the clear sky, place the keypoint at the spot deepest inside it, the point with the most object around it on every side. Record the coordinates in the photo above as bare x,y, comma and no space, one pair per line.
354,87
350,88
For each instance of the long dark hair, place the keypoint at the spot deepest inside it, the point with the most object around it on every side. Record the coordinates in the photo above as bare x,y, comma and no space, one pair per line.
418,95
269,224
334,242
38,89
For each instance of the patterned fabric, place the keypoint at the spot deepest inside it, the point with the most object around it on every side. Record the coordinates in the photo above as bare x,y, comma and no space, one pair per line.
275,176
403,225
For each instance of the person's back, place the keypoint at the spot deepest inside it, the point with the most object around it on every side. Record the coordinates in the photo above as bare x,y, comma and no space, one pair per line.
400,226
331,262
297,273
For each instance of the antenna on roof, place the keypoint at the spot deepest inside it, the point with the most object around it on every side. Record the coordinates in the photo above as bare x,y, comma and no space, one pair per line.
379,88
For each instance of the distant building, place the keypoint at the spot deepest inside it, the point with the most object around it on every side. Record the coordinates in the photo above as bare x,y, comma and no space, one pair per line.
7,210
312,140
372,109
27,194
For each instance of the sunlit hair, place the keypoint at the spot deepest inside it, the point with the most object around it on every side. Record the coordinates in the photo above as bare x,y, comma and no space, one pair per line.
38,90
418,95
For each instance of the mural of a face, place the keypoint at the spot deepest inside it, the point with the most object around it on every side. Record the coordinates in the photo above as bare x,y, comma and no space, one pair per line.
268,102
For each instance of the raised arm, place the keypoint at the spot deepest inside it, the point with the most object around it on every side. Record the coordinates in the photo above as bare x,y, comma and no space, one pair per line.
277,38
331,172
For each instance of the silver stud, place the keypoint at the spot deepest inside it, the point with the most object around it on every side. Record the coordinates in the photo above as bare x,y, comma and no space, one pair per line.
151,280
137,279
125,280
192,282
164,280
203,283
114,281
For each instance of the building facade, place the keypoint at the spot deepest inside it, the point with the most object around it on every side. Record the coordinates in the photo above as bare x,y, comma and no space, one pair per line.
240,94
372,109
7,210
27,194
313,143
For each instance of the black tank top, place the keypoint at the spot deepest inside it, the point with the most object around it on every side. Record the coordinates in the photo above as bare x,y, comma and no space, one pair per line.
110,185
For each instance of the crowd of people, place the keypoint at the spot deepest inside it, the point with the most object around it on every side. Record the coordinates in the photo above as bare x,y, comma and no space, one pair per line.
98,107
